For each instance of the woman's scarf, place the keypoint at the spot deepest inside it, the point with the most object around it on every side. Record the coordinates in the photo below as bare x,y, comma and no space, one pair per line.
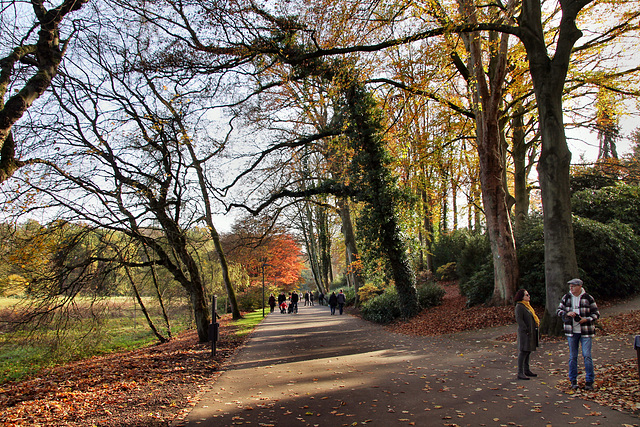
533,313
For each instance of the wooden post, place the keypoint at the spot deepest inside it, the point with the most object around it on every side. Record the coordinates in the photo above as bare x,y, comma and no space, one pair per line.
636,345
213,330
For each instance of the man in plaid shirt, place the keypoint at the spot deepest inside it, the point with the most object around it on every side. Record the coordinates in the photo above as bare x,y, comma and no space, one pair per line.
579,313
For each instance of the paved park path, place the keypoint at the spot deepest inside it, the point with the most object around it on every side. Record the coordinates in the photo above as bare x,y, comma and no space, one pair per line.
314,369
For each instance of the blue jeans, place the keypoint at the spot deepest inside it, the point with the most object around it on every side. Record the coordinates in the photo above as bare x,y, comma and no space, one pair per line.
340,306
333,309
574,341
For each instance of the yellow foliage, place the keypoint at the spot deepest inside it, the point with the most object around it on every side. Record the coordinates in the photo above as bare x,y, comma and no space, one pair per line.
368,291
13,285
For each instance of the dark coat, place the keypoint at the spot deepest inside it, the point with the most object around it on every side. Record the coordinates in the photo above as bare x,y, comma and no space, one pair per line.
333,300
527,329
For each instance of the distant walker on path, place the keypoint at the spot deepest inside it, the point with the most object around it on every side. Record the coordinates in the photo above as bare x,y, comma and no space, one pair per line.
333,302
341,301
272,302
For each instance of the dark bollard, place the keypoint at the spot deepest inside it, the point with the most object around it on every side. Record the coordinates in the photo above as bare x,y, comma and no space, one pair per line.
215,326
636,345
213,336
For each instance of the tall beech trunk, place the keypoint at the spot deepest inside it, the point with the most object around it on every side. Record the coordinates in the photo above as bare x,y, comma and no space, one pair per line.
306,221
351,251
503,249
324,245
487,88
428,226
521,170
548,75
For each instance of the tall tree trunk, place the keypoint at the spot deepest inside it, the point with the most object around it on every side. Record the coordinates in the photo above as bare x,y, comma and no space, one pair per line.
353,268
364,130
444,224
324,244
454,203
306,220
224,267
503,249
208,213
548,77
427,203
487,93
521,172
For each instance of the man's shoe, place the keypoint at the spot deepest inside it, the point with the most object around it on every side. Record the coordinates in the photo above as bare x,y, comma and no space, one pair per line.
574,385
588,386
530,374
522,377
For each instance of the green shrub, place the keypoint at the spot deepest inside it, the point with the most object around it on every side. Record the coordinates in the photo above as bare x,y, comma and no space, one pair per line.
382,309
447,247
350,296
447,272
339,282
609,255
530,249
479,288
251,299
621,203
473,257
430,295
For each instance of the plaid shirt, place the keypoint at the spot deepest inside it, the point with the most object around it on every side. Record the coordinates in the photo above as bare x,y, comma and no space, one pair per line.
588,310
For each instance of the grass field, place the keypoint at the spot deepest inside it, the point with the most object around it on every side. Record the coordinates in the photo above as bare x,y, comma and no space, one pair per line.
86,329
91,328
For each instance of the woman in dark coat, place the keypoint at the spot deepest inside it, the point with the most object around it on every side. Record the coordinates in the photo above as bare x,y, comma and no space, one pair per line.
528,323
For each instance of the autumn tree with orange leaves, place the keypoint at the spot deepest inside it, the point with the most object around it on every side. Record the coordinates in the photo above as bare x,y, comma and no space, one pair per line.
255,244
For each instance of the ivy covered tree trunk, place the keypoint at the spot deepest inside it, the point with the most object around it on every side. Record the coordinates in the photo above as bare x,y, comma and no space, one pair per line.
370,178
378,189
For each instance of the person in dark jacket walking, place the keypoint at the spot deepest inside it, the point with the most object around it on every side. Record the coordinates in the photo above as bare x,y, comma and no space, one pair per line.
528,323
579,313
272,302
294,302
333,302
341,300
